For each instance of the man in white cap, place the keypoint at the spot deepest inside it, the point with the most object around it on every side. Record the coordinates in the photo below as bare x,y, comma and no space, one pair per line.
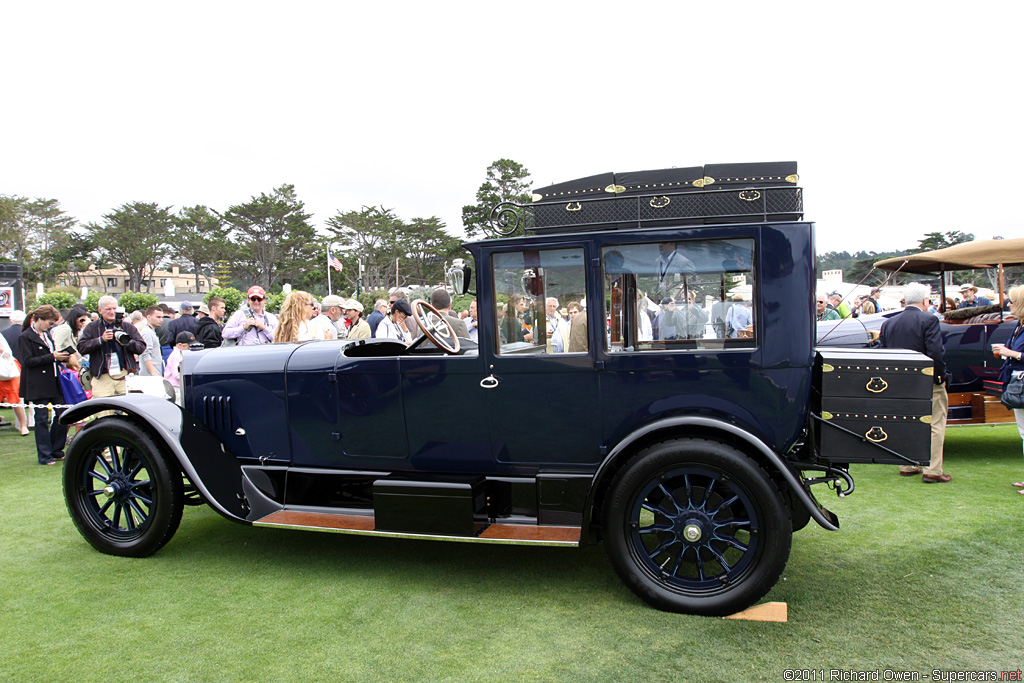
971,299
359,329
333,307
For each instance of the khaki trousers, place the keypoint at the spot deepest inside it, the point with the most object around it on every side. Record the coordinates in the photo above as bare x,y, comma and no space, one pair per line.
940,407
105,385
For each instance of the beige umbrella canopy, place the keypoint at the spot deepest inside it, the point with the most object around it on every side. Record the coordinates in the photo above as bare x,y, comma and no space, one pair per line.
966,256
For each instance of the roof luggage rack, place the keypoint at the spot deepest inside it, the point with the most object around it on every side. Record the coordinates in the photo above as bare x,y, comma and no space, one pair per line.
675,196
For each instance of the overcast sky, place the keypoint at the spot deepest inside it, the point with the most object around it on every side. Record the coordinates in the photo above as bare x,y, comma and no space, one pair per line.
903,116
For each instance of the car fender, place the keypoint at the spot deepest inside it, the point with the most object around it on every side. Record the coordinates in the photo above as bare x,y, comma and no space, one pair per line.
706,426
214,471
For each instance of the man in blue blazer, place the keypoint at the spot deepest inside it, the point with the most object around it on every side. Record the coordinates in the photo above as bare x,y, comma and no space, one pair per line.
918,330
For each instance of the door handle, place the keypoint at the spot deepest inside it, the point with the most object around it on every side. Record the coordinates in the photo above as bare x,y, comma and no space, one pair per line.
489,382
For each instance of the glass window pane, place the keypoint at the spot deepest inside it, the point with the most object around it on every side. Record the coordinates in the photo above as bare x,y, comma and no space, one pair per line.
535,290
684,295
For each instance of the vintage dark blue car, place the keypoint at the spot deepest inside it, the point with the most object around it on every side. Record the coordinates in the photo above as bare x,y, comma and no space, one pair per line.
687,442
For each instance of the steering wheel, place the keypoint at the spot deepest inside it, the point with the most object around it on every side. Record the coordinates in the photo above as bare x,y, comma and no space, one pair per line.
436,327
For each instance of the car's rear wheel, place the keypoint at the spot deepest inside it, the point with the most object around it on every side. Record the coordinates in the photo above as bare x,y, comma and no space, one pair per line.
123,495
695,526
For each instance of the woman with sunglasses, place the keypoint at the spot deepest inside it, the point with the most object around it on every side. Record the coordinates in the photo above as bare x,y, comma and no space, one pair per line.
252,324
296,313
40,381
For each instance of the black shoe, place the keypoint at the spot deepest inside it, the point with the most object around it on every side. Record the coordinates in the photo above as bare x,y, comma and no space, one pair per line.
59,456
5,423
48,461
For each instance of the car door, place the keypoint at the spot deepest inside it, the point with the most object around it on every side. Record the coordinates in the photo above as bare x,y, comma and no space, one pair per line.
541,397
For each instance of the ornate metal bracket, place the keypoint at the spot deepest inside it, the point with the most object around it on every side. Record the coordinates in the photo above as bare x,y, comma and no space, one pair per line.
506,218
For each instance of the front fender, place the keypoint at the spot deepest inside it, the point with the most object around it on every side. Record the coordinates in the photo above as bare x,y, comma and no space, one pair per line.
709,424
202,457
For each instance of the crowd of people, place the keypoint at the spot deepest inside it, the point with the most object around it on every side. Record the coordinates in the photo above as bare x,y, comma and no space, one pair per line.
833,306
101,349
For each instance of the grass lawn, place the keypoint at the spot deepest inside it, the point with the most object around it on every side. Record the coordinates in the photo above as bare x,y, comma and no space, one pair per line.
919,577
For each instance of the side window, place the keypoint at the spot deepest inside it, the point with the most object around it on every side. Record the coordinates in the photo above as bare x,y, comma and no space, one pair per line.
684,295
535,289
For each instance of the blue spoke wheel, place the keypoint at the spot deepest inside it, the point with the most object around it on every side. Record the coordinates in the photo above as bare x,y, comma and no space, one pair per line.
123,495
696,526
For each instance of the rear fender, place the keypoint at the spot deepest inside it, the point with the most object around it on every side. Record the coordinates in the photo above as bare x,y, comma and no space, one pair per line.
202,457
699,425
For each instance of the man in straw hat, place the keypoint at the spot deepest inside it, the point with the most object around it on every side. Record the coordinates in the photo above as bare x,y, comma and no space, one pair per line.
971,298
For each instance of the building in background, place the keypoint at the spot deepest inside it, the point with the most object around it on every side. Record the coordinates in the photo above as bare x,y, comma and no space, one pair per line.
114,281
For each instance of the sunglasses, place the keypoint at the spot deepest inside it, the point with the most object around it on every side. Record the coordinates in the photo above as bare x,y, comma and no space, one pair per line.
255,298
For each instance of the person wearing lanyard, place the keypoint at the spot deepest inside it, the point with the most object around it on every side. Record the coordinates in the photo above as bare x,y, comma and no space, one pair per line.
251,324
40,383
112,346
671,264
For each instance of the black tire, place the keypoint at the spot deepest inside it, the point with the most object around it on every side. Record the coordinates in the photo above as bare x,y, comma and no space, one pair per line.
695,526
129,506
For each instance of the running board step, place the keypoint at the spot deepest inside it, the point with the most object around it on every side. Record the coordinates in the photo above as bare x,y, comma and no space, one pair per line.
512,534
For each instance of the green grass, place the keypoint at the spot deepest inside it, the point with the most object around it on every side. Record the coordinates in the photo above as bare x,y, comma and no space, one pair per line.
919,577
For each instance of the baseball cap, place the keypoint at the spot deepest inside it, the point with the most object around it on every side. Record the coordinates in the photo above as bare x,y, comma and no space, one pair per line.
186,305
401,305
332,300
256,290
352,304
184,338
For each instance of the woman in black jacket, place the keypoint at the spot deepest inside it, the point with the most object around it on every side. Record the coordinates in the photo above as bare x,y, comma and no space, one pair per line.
40,382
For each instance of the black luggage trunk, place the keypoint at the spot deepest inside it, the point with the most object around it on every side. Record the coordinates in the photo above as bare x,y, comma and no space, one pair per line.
869,399
677,196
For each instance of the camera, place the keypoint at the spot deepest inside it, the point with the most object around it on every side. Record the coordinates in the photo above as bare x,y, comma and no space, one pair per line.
119,315
122,337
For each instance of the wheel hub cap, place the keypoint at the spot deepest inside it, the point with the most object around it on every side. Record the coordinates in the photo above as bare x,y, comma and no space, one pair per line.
692,533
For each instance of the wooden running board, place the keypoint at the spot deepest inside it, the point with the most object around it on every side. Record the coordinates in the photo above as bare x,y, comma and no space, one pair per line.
513,534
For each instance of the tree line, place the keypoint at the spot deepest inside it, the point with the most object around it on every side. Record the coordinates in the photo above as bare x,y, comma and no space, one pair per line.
269,240
859,267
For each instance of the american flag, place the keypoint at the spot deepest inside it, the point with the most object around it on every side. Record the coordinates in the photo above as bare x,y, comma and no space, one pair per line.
333,262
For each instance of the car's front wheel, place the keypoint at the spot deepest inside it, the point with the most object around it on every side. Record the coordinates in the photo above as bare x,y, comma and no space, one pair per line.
695,526
123,495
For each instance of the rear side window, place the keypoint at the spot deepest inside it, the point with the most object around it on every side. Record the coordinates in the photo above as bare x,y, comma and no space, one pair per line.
686,295
535,289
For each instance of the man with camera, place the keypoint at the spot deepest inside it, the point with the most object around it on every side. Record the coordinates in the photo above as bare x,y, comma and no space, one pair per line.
252,324
112,344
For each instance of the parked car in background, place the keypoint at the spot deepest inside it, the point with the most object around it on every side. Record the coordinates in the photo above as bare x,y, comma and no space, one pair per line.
967,333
